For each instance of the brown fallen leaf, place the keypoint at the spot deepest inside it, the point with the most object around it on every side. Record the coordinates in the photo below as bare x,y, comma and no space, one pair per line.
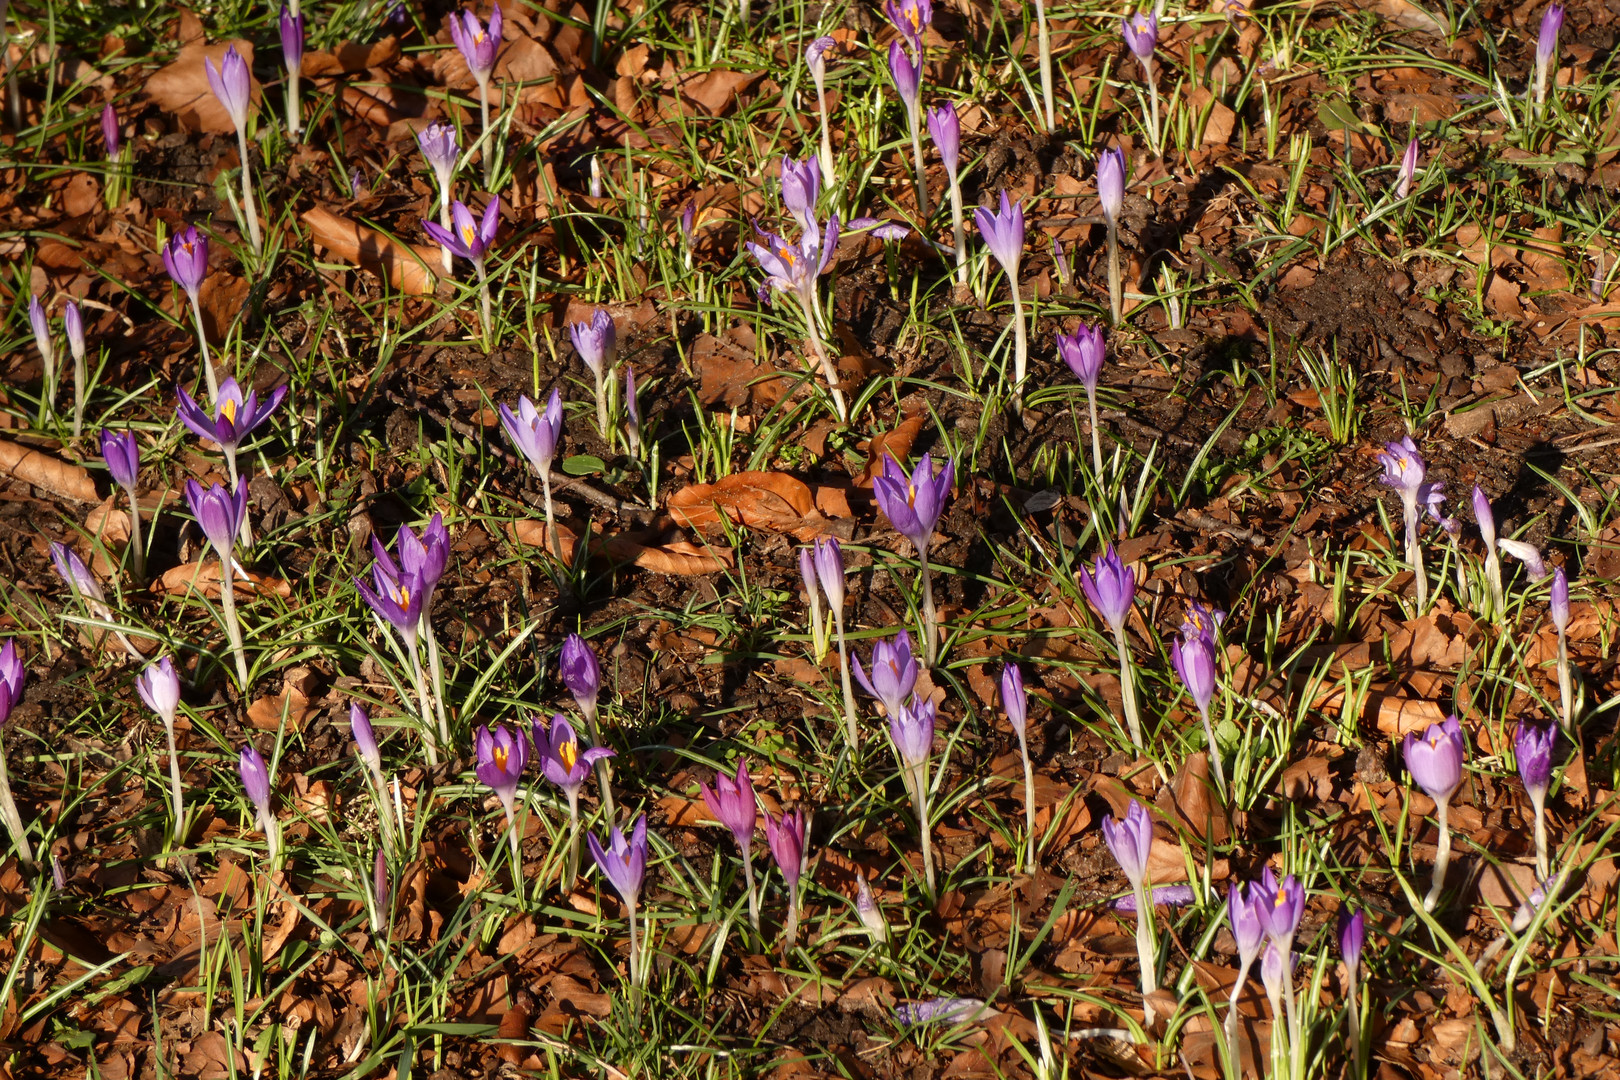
181,89
404,266
204,577
109,525
49,474
221,299
896,444
761,500
680,558
294,702
350,58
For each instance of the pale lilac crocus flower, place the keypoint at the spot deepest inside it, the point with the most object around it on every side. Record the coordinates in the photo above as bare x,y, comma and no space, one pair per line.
537,433
565,765
1408,170
292,54
1131,841
914,503
1533,752
828,559
795,269
1110,586
255,774
1194,660
1111,197
73,327
1141,34
123,457
40,323
624,864
912,730
1003,233
786,838
1558,607
945,128
1243,910
479,46
1485,517
439,150
894,672
1085,351
1015,703
1404,470
159,686
13,674
1435,759
232,84
597,344
471,240
71,569
185,257
907,75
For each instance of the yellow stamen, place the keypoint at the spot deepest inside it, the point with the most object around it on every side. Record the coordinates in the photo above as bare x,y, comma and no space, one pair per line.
1282,898
500,758
568,753
227,409
468,235
916,21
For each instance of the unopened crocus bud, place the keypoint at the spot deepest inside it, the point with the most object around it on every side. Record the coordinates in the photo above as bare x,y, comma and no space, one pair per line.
12,677
1084,351
1130,839
1111,183
365,740
1141,34
71,569
801,188
1560,600
73,325
867,910
1014,701
688,219
219,513
59,878
123,457
1533,751
159,686
255,779
40,324
815,58
946,130
580,673
1194,660
379,884
912,729
1274,973
1409,160
595,341
1552,21
785,837
829,560
110,132
292,39
185,257
1526,553
1243,909
1485,518
907,75
1110,585
1352,935
232,84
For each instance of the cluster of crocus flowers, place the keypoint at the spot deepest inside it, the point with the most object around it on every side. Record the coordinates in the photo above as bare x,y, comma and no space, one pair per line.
1405,471
912,730
945,128
255,774
1141,34
1110,586
1265,916
401,595
580,672
1552,22
1435,759
292,54
234,418
537,434
159,686
1003,233
913,502
185,257
1085,351
232,84
479,45
1130,839
471,239
40,323
13,674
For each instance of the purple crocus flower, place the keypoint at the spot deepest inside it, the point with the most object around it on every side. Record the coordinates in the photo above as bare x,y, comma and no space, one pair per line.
1533,749
1194,660
731,802
1014,701
688,219
941,1011
478,45
123,457
12,677
255,775
1003,233
1084,351
159,687
1281,904
911,18
219,513
422,559
561,759
1131,841
913,731
595,341
1404,468
801,188
234,417
1559,602
1162,896
467,238
907,76
894,672
232,84
185,257
815,57
73,327
1110,585
365,740
71,569
439,150
1201,621
785,835
1552,22
890,230
292,39
1526,553
110,132
40,324
536,434
581,674
1352,936
794,268
1408,170
828,558
1141,33
1111,184
502,755
623,863
913,503
1435,757
397,599
946,130
1244,908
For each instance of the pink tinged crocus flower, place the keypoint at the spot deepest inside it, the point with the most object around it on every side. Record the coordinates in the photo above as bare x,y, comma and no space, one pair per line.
1552,21
1533,746
1558,608
1003,233
913,504
731,803
439,150
159,686
73,327
1111,184
801,188
110,132
1408,170
40,324
13,675
1435,759
812,591
624,864
255,774
894,672
1131,841
232,84
786,836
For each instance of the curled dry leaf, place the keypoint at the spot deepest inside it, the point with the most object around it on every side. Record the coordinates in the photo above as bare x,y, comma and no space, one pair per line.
896,444
49,474
203,576
678,557
109,525
404,266
760,500
182,90
293,702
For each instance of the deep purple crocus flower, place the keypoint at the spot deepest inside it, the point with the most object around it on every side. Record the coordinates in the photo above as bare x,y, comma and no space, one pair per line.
1003,232
913,730
467,238
1141,34
786,839
219,513
1282,903
731,802
477,43
1111,183
398,600
234,417
1558,604
1131,841
561,759
595,341
894,672
12,677
623,863
794,268
292,39
1435,758
536,434
110,132
232,84
123,457
1194,660
255,774
1014,701
580,673
913,503
71,569
1408,170
439,150
185,257
907,76
1110,585
946,129
1552,22
801,188
1160,896
1404,468
1533,750
1084,351
1352,936
502,756
688,220
911,18
159,686
1244,904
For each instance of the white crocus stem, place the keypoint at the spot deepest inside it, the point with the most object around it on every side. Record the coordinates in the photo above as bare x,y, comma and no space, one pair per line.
1214,752
1538,802
601,402
423,710
958,230
1127,688
828,371
930,617
1020,336
483,293
1493,578
176,792
571,857
436,669
1116,299
1232,1011
489,143
917,781
444,221
635,950
272,836
255,237
137,547
1096,437
1153,104
512,835
1414,550
13,820
753,893
827,172
233,628
1044,37
1146,949
1566,690
851,726
202,344
1353,1019
1442,854
79,378
551,525
1029,801
295,122
912,118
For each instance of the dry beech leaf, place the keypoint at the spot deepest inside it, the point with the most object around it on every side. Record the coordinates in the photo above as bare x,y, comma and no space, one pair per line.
680,557
715,92
895,444
404,266
266,713
204,578
350,58
49,474
182,89
109,525
760,500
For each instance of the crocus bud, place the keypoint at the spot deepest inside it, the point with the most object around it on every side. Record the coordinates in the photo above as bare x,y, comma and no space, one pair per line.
907,75
232,84
159,687
1435,758
219,513
807,574
255,779
867,910
1560,600
580,673
1003,233
688,219
1485,518
292,39
1552,21
1403,183
1131,841
801,187
1526,553
379,884
622,862
1243,909
1194,660
815,58
12,676
1533,750
536,434
365,740
185,257
1141,33
40,323
1110,585
1111,183
73,325
1084,351
122,455
731,802
829,560
595,341
1352,935
1013,699
110,132
912,729
946,130
786,839
1273,974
